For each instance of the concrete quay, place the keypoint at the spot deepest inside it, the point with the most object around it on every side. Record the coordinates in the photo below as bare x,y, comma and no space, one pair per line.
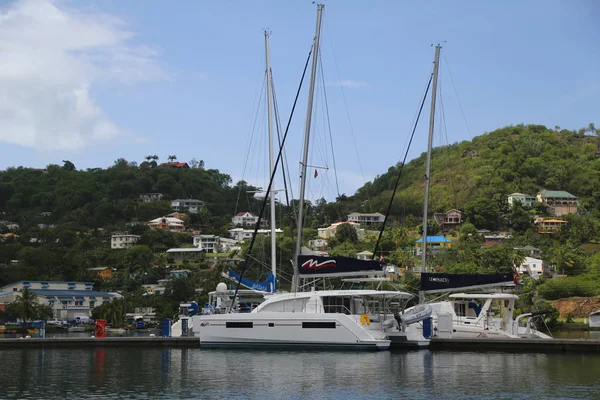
83,342
589,346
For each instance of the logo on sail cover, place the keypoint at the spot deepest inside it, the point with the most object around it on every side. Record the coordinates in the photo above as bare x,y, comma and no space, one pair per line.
314,264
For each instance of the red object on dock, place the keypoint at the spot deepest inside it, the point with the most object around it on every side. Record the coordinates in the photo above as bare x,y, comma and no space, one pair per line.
100,329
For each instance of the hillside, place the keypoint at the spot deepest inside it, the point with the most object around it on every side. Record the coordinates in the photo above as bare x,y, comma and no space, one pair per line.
523,159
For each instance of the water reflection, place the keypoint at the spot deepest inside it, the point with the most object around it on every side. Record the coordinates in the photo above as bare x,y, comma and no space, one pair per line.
194,373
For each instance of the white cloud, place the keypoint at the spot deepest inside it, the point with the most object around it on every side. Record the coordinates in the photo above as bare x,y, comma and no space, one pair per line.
50,59
352,84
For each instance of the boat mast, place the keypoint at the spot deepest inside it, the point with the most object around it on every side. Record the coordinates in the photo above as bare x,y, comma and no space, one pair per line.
271,156
304,164
436,64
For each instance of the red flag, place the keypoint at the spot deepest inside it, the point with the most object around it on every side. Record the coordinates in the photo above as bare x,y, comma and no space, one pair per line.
316,173
516,276
381,258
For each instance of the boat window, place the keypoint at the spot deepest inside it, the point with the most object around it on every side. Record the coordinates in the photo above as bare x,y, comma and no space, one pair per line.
460,309
238,324
318,325
337,305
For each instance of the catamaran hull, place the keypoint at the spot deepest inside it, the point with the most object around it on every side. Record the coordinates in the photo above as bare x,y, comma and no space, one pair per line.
285,330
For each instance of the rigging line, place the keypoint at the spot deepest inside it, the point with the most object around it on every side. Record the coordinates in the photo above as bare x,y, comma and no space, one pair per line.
457,98
337,186
250,140
278,129
348,115
443,116
387,212
264,202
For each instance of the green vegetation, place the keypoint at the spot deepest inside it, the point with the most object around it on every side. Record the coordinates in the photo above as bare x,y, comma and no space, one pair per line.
66,216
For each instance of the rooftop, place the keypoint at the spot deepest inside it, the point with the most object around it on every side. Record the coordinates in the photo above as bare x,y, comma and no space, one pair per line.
241,214
435,239
556,193
66,292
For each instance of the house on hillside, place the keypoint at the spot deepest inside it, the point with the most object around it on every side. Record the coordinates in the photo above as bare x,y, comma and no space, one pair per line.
150,197
68,300
167,224
123,240
102,272
184,254
532,266
241,234
366,218
10,226
497,238
532,251
190,205
525,199
364,255
560,202
329,232
549,226
175,164
244,219
317,244
434,243
451,219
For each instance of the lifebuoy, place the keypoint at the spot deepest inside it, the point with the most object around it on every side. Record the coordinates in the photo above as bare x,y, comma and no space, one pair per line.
365,320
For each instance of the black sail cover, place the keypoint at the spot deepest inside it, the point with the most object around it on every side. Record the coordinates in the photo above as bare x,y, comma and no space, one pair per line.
446,282
316,266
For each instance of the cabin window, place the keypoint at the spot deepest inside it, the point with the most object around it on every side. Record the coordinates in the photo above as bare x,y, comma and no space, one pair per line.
318,325
238,324
271,325
460,309
337,305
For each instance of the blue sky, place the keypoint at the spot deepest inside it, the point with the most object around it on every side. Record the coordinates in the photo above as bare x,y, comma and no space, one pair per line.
95,81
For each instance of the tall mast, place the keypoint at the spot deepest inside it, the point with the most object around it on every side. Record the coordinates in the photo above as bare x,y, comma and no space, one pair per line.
271,155
303,166
436,64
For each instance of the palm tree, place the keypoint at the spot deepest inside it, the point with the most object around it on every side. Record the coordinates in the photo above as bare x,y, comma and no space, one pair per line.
26,306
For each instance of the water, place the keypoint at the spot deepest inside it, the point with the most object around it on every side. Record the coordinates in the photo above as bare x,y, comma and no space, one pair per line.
143,373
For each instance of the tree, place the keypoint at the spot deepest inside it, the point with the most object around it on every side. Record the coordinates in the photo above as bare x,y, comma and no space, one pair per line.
346,233
483,213
26,305
172,158
68,165
433,228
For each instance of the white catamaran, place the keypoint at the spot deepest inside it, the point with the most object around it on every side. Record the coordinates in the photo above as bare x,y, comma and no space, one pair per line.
352,319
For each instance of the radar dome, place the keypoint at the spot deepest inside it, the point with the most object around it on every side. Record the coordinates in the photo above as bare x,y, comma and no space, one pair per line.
221,287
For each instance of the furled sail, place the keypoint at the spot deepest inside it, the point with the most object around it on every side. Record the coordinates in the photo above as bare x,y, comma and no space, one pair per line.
267,285
433,283
320,266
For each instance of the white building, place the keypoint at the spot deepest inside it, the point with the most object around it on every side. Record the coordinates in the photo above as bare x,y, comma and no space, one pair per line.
329,232
167,224
150,197
240,234
525,199
366,218
207,242
11,226
317,244
215,244
69,300
123,240
183,254
532,266
364,255
244,219
190,205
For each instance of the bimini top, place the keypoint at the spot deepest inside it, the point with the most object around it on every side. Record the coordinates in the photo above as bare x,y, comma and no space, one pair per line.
484,296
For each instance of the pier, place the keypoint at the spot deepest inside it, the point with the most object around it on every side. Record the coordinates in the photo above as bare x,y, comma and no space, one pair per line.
86,342
588,346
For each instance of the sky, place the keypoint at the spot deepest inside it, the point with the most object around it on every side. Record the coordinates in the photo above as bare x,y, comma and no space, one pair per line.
95,81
